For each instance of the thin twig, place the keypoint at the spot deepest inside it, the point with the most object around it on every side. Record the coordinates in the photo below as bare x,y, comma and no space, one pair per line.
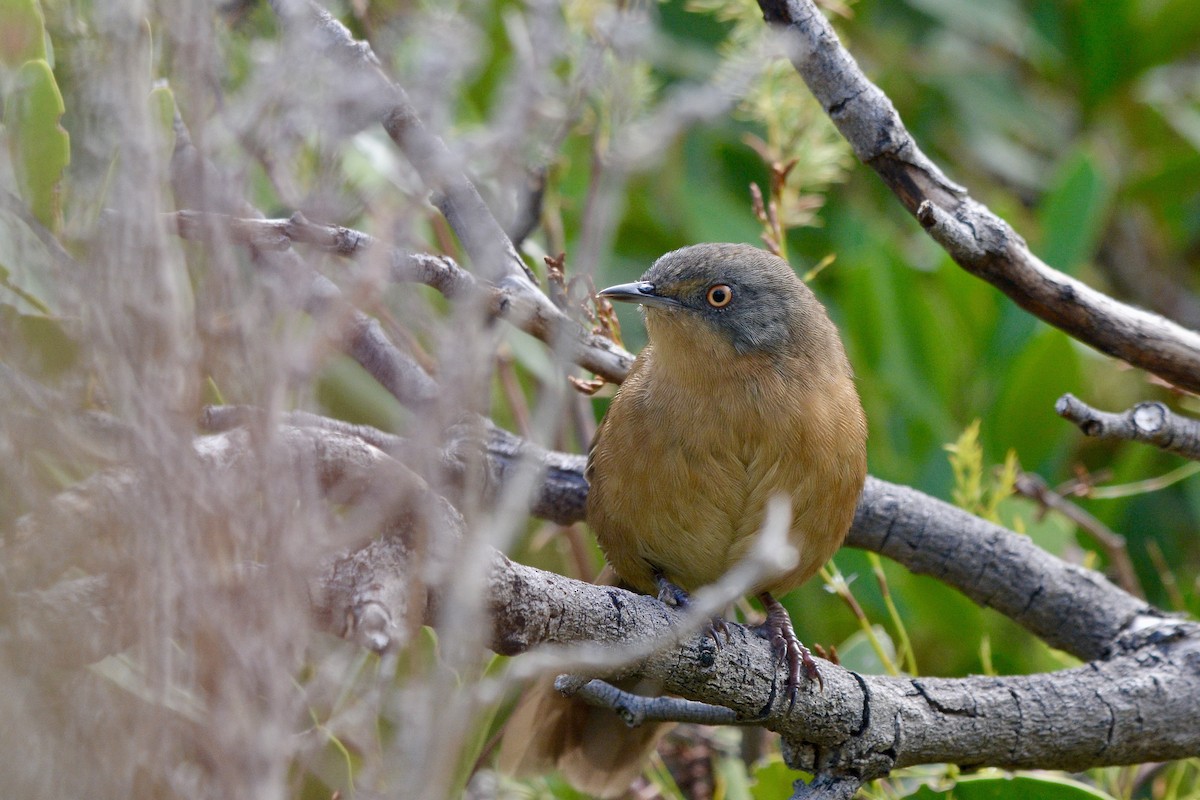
490,249
594,351
1113,544
637,709
1151,423
440,272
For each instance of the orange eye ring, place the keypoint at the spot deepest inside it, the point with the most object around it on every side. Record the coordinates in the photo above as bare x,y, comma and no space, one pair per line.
719,295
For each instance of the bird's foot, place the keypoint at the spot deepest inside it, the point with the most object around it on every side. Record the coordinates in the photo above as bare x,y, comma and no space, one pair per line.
716,627
779,632
676,596
669,593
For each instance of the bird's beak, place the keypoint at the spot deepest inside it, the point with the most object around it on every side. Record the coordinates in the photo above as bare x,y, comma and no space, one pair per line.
639,292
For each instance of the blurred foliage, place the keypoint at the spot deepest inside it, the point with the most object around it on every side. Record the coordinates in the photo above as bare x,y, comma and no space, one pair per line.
1077,121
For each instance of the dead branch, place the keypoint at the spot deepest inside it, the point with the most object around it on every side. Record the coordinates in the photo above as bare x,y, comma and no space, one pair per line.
440,272
857,726
1150,423
490,249
863,725
1113,544
978,240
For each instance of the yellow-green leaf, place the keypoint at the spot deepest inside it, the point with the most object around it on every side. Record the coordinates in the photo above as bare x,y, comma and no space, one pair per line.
36,342
162,112
39,146
1044,786
23,34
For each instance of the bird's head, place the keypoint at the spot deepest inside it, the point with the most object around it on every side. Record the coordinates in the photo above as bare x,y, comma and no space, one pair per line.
726,296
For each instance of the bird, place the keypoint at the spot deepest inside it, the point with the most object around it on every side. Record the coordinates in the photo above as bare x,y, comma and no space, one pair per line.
743,393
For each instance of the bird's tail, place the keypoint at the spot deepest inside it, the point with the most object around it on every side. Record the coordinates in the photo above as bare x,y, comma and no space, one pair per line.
593,748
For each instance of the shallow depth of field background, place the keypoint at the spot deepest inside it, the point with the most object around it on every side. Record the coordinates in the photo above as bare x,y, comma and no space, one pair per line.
1078,121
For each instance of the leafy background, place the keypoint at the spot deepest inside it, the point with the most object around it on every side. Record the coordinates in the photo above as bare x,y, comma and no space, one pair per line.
1079,122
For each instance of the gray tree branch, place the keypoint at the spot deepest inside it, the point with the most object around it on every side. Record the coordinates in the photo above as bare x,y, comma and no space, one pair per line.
978,240
990,564
1150,423
440,272
1130,703
559,497
865,725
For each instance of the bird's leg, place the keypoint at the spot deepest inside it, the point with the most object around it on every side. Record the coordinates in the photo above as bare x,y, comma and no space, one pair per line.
779,632
668,592
676,596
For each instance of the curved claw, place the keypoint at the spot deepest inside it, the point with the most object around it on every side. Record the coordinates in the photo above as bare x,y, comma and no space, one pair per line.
716,627
779,632
676,596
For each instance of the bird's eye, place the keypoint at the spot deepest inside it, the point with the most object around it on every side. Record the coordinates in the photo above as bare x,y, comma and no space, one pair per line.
720,295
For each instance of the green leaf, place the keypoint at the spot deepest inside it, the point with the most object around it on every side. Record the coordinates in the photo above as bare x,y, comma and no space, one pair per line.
774,780
1017,787
23,34
348,392
26,267
1107,47
162,111
1023,416
39,146
36,342
857,653
1074,212
1167,31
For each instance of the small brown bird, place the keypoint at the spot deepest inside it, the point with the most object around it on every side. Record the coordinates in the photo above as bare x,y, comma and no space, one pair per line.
743,393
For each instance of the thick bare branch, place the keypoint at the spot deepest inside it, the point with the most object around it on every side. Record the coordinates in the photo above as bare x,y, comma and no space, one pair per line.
863,725
560,495
856,726
978,240
993,566
996,568
1151,423
990,564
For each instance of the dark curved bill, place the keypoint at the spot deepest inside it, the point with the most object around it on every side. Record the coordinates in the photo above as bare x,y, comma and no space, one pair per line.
638,292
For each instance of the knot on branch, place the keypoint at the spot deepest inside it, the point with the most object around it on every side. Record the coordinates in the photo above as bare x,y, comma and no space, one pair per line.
952,233
1149,422
1149,417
